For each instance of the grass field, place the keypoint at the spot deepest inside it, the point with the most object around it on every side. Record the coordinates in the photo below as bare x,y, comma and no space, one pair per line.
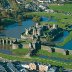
64,8
36,59
20,52
59,55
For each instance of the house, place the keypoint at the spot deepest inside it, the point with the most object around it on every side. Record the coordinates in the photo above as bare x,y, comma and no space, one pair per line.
42,7
32,66
19,1
43,68
44,1
53,69
49,10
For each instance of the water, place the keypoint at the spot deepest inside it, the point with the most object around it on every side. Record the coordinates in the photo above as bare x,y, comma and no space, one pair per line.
61,39
45,19
5,51
56,58
15,30
67,45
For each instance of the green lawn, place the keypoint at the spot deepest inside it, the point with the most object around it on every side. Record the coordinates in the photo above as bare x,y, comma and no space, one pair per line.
36,59
20,52
58,55
64,8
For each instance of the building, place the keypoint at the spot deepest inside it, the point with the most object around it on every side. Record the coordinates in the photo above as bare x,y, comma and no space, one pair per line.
49,1
44,1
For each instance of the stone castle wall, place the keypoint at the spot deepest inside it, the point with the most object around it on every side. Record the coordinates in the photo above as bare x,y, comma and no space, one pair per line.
48,48
58,50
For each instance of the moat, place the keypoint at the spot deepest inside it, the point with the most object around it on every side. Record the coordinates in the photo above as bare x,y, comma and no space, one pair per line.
15,31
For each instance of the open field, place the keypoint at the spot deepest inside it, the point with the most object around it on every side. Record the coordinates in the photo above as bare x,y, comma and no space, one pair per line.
61,8
59,55
20,52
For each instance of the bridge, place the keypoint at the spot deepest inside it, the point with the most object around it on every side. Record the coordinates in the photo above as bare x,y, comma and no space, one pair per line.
7,41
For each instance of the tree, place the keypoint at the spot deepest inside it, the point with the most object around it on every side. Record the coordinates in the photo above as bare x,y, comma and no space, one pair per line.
19,18
4,13
49,38
0,19
36,19
60,69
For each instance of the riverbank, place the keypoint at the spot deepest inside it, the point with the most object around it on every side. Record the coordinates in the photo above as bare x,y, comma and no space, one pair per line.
8,21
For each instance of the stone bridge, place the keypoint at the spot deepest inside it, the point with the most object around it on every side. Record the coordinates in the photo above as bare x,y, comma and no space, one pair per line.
7,41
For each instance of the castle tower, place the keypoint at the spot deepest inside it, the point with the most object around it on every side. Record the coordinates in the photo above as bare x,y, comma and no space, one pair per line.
34,31
37,25
26,31
38,31
55,26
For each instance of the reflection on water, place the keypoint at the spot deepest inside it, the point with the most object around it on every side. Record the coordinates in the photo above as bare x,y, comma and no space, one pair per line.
5,49
55,58
45,19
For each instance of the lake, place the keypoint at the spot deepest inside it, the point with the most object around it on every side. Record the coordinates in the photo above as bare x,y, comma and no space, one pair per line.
14,30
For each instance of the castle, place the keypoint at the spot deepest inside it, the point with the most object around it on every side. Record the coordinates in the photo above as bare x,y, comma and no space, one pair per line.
37,30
